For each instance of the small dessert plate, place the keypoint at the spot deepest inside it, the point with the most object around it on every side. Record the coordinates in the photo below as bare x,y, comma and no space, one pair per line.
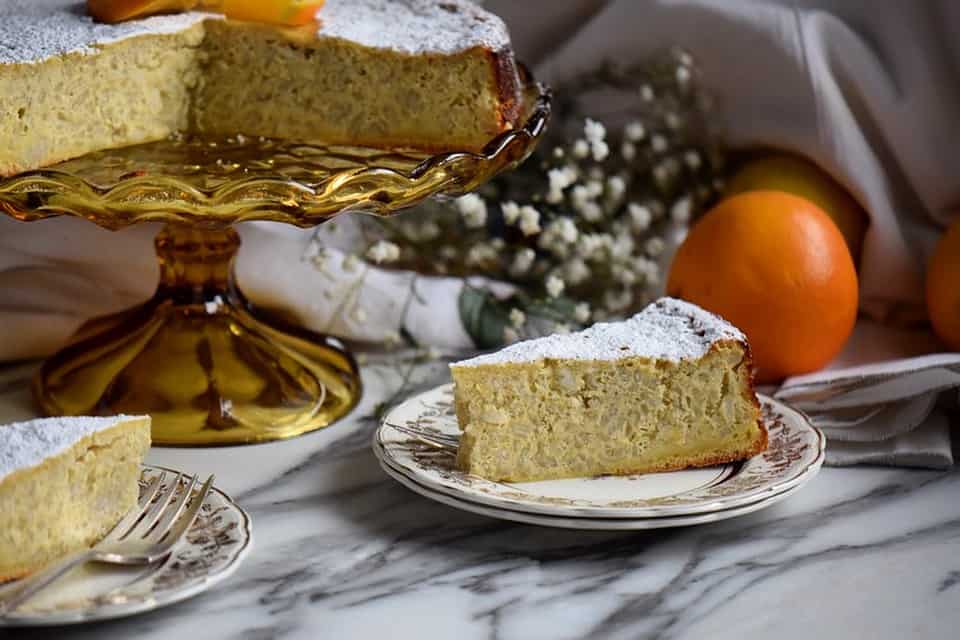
793,456
210,552
585,524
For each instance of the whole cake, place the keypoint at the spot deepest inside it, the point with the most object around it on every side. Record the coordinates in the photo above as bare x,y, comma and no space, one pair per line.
64,483
432,74
670,388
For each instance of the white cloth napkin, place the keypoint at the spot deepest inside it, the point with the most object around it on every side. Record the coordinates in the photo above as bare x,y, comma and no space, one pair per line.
872,96
892,413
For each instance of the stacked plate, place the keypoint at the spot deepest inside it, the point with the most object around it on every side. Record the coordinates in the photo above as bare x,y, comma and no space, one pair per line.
416,445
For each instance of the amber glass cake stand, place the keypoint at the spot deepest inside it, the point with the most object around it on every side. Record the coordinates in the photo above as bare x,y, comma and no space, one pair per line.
208,365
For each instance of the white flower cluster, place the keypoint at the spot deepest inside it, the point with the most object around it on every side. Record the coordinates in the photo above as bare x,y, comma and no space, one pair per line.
383,251
474,211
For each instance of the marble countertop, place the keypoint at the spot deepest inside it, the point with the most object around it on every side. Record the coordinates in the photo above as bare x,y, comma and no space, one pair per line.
342,551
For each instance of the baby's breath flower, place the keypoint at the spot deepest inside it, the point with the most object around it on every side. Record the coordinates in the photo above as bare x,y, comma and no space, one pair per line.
615,301
654,247
645,267
498,243
559,180
659,143
635,131
640,217
616,187
510,335
591,212
449,252
594,188
629,151
672,120
473,209
429,230
350,263
622,247
623,275
558,152
529,221
594,131
692,159
480,253
646,93
681,209
600,150
565,230
511,211
581,313
383,251
555,286
591,245
575,271
581,148
522,261
682,75
579,196
661,173
561,328
517,318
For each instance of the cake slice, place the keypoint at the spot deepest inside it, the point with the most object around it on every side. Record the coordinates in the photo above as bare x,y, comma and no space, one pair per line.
429,74
64,483
670,388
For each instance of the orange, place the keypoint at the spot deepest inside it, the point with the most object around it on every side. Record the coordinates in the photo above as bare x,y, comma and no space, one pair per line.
943,287
777,267
799,176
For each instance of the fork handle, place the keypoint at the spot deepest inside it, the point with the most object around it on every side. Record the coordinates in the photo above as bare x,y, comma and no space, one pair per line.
31,585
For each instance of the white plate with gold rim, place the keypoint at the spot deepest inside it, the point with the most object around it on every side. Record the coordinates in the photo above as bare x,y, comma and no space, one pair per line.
210,552
585,524
793,456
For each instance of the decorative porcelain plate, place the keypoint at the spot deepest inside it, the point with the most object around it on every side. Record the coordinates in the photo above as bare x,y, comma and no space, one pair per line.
793,456
590,524
212,550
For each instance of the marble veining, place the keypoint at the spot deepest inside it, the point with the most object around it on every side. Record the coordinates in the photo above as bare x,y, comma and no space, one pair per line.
341,551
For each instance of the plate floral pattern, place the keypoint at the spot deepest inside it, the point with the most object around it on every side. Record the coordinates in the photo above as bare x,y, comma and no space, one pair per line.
589,524
211,550
794,455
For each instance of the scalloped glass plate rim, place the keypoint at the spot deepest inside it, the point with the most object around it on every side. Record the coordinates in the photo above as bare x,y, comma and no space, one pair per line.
796,451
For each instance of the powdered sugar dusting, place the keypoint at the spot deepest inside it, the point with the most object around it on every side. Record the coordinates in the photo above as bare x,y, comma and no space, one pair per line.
668,329
414,26
27,444
35,30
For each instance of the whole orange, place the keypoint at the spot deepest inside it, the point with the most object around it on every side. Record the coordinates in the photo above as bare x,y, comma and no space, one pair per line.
943,287
799,176
778,268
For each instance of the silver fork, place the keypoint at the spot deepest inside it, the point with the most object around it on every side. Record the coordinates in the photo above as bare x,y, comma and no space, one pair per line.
146,535
443,441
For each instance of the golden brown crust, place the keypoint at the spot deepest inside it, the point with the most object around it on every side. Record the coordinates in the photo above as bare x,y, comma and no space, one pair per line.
750,371
506,80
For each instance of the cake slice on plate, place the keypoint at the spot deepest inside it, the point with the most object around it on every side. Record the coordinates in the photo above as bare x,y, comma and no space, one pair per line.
64,483
670,388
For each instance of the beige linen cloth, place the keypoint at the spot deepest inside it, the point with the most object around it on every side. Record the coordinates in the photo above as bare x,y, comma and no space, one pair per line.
869,90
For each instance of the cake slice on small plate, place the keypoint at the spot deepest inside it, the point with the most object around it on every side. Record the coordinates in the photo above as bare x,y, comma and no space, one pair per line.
670,388
64,483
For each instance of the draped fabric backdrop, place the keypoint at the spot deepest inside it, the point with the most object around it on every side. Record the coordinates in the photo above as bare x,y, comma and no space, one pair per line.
868,90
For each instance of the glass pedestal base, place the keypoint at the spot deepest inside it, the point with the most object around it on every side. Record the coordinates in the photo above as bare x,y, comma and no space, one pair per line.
208,367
